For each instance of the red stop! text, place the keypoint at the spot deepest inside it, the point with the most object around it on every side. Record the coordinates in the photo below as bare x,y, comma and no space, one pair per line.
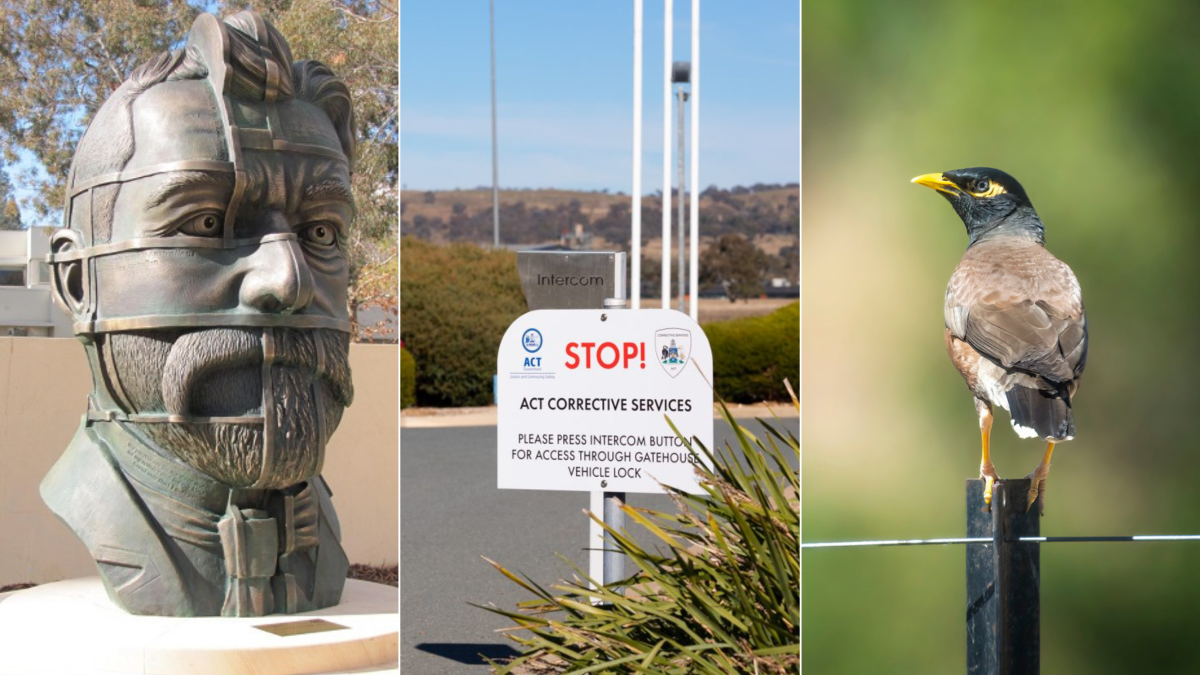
607,355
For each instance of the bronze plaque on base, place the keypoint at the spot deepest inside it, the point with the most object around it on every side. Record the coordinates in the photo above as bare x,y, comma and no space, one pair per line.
290,628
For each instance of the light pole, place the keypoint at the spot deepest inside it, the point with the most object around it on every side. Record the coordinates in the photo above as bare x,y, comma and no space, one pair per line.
668,49
680,76
694,85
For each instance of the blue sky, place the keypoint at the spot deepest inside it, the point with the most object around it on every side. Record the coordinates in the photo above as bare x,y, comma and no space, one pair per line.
564,92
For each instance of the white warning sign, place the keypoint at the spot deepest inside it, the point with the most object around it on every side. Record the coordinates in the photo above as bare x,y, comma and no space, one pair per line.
583,396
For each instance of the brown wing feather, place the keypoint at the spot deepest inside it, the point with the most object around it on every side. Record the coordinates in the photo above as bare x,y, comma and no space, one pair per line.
1019,306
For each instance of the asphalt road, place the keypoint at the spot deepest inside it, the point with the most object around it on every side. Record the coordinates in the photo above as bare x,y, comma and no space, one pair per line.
451,514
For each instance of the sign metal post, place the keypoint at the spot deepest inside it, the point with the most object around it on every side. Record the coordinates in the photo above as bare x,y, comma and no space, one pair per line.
612,566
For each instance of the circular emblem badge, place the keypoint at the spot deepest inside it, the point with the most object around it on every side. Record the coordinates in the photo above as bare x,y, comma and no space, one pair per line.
531,340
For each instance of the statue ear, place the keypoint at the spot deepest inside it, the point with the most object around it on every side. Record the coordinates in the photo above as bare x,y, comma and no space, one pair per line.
66,276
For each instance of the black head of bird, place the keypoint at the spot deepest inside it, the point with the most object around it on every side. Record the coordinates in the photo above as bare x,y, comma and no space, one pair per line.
989,201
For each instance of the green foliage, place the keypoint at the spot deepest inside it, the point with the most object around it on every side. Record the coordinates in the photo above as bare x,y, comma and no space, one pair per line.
408,381
10,212
458,301
752,356
724,597
10,217
735,264
59,60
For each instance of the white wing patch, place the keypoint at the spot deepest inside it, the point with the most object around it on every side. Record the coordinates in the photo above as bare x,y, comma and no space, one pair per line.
956,321
994,383
1023,432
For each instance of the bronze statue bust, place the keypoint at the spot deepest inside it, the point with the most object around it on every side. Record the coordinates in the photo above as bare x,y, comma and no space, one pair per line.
203,265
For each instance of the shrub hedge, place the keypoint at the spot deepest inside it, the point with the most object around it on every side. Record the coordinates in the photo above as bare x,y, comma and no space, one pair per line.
752,356
408,384
456,302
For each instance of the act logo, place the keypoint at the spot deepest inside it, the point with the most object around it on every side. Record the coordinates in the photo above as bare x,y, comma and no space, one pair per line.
672,347
531,340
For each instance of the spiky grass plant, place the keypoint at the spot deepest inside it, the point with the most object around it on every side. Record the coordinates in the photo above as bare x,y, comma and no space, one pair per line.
722,598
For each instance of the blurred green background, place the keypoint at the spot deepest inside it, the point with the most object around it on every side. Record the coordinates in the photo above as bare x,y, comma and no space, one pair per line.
1095,108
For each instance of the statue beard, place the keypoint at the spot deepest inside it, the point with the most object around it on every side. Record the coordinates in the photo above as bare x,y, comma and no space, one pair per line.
219,373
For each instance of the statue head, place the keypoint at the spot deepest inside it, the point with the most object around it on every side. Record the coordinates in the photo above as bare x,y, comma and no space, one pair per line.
203,254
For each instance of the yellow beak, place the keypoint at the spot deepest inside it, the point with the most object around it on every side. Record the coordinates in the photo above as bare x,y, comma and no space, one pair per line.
938,182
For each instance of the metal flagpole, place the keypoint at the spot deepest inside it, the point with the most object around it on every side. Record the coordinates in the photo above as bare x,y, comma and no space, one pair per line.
668,49
495,161
694,224
635,281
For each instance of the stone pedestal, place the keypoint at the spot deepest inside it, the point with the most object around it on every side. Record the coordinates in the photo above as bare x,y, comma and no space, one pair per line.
71,627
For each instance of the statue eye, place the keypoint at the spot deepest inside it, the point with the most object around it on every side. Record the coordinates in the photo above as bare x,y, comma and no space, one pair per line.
203,225
321,234
982,185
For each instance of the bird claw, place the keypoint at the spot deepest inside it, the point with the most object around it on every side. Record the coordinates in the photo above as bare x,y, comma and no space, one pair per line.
1037,489
988,473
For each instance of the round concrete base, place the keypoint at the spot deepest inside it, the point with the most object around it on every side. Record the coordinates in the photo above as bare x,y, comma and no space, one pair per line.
71,627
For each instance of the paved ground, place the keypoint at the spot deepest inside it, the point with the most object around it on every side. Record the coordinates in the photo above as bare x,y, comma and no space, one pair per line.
451,514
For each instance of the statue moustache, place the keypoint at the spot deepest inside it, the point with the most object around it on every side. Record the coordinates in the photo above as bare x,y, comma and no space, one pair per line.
294,404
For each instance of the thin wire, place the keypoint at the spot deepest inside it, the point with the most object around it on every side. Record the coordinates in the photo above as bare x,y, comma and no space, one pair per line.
988,540
1136,537
900,542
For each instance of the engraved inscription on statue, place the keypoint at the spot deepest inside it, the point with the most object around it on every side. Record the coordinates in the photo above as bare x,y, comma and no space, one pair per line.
202,262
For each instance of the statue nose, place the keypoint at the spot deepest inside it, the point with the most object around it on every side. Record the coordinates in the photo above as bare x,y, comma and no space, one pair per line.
278,280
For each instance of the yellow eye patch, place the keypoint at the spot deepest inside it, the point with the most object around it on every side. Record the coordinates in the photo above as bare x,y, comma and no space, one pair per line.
993,189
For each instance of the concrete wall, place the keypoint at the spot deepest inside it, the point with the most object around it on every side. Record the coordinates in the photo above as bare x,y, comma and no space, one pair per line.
44,383
29,308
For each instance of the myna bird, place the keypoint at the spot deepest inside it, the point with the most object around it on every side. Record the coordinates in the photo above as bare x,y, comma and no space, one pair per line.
1015,325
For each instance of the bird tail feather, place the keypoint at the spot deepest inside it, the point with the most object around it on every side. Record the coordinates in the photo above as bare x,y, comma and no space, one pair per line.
1041,414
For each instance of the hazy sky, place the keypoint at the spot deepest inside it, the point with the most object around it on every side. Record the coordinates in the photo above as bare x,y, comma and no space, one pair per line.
564,72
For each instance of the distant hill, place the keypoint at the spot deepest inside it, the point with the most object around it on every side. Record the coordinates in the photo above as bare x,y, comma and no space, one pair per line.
766,215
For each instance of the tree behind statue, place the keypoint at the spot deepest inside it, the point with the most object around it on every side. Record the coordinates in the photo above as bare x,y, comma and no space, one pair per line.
60,59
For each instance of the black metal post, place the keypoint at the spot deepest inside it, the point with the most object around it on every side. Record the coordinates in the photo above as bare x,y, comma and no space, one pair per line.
1003,607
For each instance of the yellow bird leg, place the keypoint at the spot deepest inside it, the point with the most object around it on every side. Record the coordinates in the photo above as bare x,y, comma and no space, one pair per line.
987,471
1037,481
